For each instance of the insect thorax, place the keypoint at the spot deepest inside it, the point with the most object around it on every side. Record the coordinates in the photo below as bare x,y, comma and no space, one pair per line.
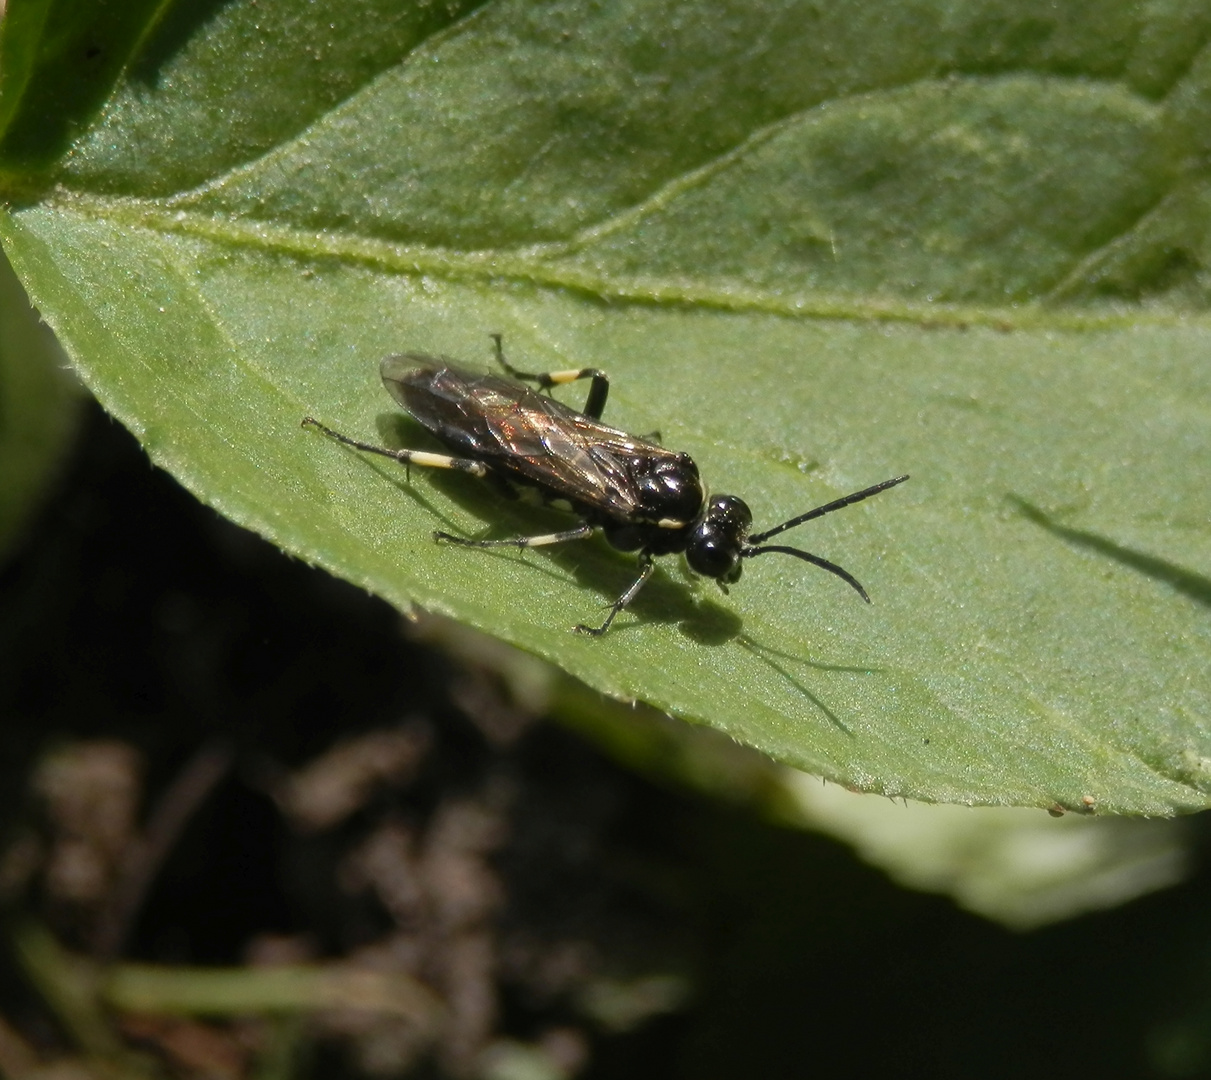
670,499
669,488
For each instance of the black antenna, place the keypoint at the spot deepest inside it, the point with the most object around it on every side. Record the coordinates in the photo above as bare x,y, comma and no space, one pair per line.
815,560
820,511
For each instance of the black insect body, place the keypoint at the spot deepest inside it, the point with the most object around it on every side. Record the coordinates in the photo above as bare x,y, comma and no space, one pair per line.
640,495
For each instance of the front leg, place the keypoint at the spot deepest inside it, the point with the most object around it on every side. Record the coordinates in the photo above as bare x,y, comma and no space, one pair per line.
646,566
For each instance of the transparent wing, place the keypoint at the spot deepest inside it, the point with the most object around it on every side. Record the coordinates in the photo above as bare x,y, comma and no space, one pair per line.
533,438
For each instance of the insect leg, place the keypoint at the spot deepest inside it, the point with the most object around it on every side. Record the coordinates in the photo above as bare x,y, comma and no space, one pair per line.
598,391
581,531
646,565
406,457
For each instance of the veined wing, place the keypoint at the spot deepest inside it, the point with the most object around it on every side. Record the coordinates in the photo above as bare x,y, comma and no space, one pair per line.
534,438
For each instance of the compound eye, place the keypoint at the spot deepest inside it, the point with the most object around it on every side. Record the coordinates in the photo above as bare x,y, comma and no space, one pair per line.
715,558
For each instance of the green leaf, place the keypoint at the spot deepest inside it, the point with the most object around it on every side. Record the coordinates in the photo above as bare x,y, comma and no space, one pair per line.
814,248
58,60
38,408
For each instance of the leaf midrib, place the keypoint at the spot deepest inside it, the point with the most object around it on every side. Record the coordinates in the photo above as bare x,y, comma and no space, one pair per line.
410,260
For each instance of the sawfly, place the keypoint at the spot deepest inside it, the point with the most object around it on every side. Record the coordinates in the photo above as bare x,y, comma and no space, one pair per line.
642,496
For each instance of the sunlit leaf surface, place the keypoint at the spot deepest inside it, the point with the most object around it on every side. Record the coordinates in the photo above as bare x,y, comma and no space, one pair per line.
815,248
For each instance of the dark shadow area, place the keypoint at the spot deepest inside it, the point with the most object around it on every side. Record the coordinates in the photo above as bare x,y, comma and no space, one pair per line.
1186,582
811,952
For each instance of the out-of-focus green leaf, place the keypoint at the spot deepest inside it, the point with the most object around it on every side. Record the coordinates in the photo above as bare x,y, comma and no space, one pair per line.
38,400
